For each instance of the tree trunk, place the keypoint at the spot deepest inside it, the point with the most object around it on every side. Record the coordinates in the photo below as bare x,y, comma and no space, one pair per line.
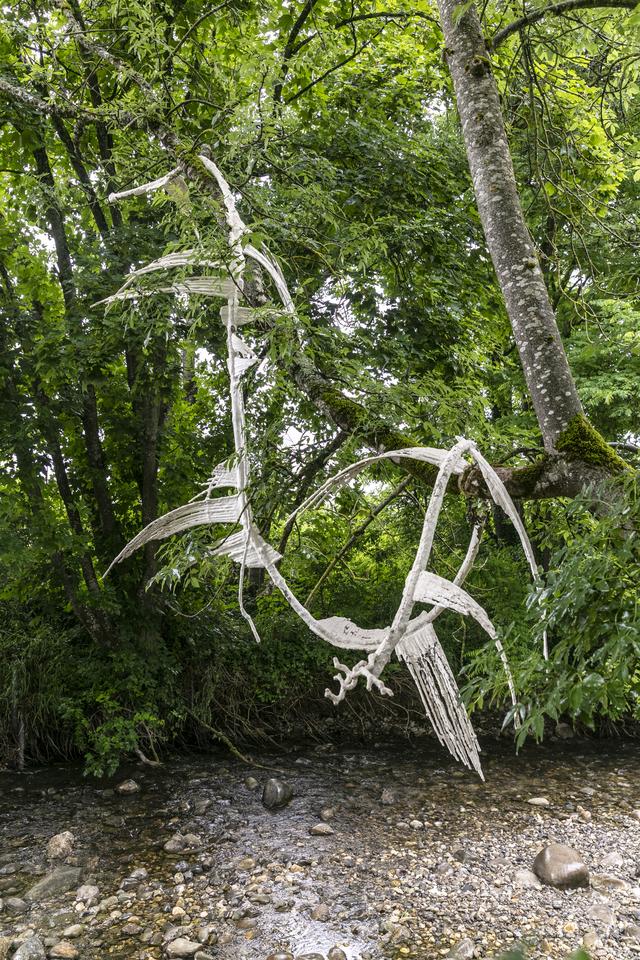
510,244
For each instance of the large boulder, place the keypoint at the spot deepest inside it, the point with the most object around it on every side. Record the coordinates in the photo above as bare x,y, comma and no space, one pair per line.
561,867
58,881
31,949
276,794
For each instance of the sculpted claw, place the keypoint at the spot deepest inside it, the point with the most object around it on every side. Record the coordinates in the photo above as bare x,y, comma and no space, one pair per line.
350,679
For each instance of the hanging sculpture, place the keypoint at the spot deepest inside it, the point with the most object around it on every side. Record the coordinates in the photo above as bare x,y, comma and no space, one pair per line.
413,639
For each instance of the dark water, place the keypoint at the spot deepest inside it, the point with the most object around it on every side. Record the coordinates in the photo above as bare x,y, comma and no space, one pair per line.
393,889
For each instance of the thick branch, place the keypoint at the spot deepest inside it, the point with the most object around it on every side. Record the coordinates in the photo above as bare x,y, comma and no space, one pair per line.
555,10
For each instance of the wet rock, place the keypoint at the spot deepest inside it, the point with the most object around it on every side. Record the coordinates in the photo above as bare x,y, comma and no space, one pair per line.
246,863
31,949
564,731
202,805
251,783
181,947
388,797
58,881
247,923
64,951
127,787
635,814
75,930
527,880
336,954
176,844
462,951
327,813
416,824
321,830
560,866
61,845
280,956
88,893
310,956
276,794
135,877
322,912
538,802
15,905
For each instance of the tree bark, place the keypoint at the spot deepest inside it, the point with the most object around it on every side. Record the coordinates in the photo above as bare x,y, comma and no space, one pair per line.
544,362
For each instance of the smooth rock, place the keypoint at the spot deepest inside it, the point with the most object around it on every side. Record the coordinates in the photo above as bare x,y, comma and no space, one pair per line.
176,844
31,949
388,797
310,956
64,951
538,802
58,881
181,947
327,813
321,830
280,956
61,845
16,905
321,912
613,860
603,883
564,731
88,893
601,913
462,951
276,794
336,954
127,787
527,880
590,940
560,866
251,783
75,930
635,814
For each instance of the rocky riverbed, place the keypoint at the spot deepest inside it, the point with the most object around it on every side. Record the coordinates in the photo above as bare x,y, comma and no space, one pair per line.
385,852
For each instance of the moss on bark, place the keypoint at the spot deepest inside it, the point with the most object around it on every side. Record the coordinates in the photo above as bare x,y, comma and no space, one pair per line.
581,441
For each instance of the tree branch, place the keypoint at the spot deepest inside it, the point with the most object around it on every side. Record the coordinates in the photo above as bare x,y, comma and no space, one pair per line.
555,10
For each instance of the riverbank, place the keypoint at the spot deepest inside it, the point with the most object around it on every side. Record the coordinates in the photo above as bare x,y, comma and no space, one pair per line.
416,857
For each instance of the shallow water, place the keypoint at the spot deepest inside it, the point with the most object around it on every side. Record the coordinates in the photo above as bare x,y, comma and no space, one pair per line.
393,890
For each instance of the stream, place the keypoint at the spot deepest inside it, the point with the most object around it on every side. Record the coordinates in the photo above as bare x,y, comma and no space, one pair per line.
410,856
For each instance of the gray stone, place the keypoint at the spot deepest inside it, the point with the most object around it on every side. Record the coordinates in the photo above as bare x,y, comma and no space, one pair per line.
601,913
462,951
310,956
31,949
75,930
336,954
527,880
280,956
88,893
182,948
560,866
61,845
251,783
15,905
176,844
321,830
58,881
127,787
276,794
564,731
538,802
64,951
321,912
613,860
388,797
603,883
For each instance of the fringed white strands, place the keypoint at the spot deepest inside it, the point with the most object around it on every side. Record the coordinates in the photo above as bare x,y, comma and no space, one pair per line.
414,641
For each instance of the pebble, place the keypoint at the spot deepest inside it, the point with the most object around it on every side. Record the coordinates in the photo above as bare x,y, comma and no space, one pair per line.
88,893
61,845
602,914
321,830
527,880
251,783
64,951
336,953
280,956
181,947
58,881
127,787
388,797
276,794
560,866
30,949
463,950
539,802
321,912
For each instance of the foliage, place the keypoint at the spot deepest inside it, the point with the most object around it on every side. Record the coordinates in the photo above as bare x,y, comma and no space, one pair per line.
588,604
336,126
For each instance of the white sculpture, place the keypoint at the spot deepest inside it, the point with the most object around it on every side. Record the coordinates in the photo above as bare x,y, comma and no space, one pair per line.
413,639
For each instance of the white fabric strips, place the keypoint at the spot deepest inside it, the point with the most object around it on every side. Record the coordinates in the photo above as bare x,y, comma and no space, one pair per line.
349,635
241,315
431,588
238,548
195,514
145,187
